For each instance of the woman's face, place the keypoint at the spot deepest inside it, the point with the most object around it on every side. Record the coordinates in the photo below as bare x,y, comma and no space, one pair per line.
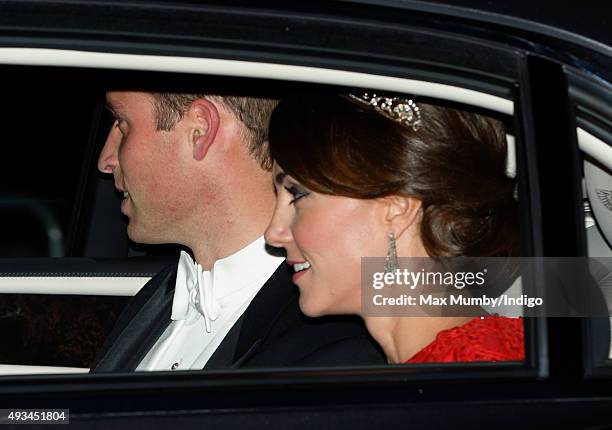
325,237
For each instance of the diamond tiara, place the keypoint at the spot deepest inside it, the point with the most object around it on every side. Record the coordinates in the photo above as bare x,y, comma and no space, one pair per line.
399,109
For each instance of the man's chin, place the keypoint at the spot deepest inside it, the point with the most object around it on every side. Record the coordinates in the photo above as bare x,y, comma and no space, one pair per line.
149,234
138,235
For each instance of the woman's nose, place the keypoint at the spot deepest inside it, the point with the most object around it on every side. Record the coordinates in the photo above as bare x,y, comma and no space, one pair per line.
278,233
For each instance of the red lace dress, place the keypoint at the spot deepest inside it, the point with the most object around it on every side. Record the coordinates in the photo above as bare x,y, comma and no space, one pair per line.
481,339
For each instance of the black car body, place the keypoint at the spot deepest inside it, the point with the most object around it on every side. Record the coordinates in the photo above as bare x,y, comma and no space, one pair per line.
544,73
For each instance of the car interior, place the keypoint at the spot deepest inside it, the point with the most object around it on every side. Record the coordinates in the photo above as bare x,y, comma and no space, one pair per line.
100,261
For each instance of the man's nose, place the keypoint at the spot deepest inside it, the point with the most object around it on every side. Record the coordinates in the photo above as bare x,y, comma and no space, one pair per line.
278,233
109,160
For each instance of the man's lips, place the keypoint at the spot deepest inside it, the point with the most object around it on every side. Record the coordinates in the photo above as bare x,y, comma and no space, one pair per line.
124,194
126,200
124,203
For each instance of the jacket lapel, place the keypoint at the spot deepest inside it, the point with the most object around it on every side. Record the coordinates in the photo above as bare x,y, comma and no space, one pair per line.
223,356
140,325
148,315
263,313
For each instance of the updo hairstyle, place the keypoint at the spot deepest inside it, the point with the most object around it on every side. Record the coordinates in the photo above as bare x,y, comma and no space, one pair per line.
455,163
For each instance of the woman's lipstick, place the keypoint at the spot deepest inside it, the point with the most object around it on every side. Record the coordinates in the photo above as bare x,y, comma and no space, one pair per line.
299,267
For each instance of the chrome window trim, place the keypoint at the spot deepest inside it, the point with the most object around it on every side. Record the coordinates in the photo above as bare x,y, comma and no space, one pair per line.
250,69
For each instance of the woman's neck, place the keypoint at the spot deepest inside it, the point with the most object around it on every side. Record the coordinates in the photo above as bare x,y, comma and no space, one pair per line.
402,337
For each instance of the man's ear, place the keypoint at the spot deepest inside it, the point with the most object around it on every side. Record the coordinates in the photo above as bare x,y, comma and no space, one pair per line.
401,212
205,120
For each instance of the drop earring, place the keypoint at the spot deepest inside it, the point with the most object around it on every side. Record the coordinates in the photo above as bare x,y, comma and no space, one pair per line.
391,263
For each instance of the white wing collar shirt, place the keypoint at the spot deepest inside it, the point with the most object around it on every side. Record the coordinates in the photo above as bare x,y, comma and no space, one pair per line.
207,304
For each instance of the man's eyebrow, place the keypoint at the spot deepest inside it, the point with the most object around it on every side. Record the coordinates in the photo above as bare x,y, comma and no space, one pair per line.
279,178
115,110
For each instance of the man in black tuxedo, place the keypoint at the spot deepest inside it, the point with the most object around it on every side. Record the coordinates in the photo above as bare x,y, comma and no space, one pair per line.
194,170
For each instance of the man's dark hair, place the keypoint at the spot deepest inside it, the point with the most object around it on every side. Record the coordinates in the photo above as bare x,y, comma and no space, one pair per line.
254,113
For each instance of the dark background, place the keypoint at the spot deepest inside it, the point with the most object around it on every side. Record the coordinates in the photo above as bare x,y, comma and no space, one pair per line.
46,115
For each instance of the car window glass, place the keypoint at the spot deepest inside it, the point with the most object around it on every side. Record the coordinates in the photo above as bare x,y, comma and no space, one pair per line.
46,117
597,194
76,342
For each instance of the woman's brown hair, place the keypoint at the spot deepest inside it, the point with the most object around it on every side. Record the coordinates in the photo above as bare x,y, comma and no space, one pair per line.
455,163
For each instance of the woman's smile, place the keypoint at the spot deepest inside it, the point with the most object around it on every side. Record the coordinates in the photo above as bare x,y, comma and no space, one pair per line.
299,267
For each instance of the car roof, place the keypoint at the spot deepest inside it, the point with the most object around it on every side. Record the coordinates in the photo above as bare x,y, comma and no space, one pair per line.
593,22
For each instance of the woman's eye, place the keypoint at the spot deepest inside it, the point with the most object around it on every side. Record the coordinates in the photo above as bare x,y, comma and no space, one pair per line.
296,193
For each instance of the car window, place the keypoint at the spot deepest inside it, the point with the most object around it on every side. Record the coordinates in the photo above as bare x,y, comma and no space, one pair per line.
46,118
49,322
594,140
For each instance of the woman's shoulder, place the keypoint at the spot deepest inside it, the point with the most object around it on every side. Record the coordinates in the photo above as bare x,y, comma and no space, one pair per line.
491,338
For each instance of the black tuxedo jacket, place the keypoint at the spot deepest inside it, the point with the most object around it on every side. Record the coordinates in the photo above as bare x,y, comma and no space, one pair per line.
272,332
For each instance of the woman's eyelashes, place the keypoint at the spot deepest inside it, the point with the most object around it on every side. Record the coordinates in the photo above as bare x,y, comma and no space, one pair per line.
296,192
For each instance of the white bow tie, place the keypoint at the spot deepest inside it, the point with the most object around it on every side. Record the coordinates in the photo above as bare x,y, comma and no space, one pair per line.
194,290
